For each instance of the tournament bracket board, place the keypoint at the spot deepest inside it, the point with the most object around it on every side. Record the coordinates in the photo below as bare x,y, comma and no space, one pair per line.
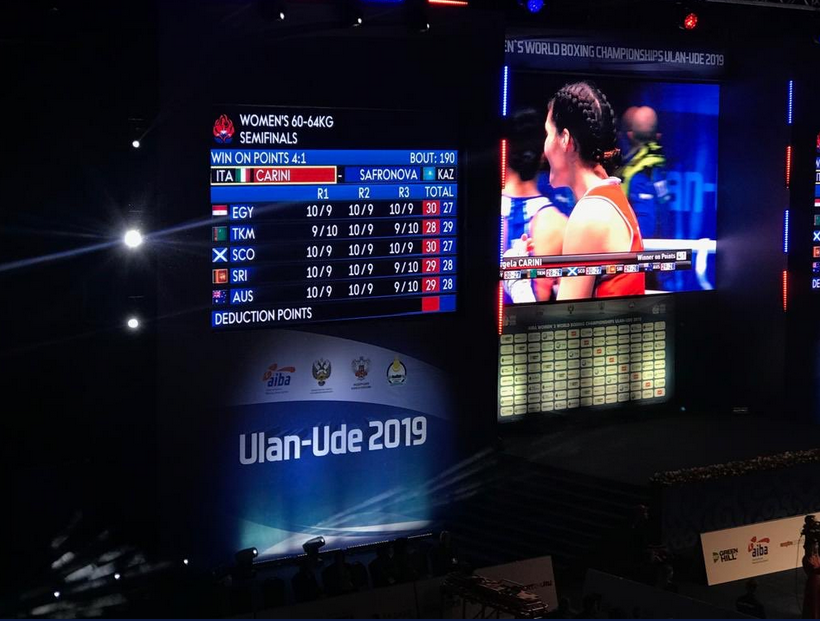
330,214
586,355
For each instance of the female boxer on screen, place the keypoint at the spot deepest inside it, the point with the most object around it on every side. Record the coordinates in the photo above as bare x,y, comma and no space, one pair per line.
580,148
532,225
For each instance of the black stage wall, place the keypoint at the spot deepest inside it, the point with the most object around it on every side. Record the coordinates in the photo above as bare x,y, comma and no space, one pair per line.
731,342
78,431
223,54
82,429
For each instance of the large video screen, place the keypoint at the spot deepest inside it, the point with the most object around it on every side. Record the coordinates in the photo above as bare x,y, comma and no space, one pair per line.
303,216
316,217
608,191
815,251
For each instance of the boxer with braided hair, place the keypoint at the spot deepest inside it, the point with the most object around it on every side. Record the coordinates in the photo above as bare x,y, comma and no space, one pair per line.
522,205
580,149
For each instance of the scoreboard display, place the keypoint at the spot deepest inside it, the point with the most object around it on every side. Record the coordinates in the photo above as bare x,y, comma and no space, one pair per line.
815,234
324,215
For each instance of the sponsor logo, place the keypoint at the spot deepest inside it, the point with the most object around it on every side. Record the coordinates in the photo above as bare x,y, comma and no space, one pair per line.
277,379
321,370
223,129
724,556
396,373
786,544
360,367
759,549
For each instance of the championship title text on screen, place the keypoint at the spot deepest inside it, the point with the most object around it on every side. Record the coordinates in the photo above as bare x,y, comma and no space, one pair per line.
540,47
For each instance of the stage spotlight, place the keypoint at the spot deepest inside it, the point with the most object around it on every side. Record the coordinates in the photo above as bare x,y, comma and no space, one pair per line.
244,564
56,595
185,561
137,130
420,23
133,238
279,11
134,323
351,13
272,9
416,15
533,6
311,546
688,15
246,556
117,576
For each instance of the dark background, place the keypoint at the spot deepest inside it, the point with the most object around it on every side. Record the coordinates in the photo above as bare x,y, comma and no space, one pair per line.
79,426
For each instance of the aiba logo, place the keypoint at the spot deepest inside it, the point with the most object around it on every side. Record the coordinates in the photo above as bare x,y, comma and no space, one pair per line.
223,130
277,378
759,549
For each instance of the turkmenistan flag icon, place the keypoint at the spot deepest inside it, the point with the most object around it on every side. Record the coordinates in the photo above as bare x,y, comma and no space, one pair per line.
242,175
219,210
220,233
220,277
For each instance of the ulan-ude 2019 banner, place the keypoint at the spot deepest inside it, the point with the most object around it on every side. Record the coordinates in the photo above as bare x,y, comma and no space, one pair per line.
312,435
